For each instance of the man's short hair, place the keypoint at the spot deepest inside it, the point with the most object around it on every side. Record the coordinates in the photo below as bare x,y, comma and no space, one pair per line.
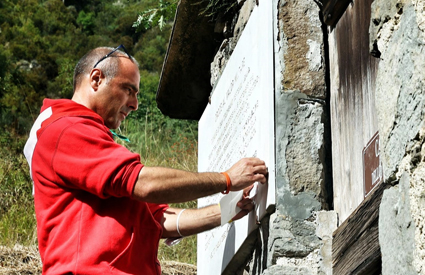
109,66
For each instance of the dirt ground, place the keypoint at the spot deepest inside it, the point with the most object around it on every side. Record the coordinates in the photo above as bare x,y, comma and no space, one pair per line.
21,260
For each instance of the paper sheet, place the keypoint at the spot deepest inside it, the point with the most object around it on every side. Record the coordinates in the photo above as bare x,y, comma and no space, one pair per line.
228,203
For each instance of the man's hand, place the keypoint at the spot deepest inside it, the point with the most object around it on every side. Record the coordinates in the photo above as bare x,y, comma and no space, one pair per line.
246,204
247,171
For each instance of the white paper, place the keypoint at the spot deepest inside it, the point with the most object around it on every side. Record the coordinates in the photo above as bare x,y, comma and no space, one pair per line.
228,204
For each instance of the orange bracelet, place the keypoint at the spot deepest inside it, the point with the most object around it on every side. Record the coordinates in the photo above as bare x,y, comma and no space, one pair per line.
228,183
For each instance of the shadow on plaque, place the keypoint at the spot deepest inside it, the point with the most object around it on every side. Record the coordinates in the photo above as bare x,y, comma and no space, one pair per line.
229,247
261,209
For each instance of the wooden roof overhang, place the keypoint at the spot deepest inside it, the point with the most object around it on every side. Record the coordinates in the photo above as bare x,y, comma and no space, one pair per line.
184,85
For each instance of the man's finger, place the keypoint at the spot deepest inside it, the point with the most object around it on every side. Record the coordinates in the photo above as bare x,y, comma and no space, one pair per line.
256,161
246,204
240,215
260,169
247,190
260,178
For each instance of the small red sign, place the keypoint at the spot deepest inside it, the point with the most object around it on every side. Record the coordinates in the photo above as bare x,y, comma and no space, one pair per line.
372,168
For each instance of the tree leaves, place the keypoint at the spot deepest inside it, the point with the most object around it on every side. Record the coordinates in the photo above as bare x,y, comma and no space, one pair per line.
86,20
156,16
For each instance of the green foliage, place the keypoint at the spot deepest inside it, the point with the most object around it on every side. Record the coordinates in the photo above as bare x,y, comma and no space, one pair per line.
157,16
64,80
32,38
151,57
86,20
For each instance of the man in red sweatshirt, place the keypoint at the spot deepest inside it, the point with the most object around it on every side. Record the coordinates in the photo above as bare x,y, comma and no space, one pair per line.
99,210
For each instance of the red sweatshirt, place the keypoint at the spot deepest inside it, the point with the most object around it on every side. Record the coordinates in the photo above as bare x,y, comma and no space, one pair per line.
87,222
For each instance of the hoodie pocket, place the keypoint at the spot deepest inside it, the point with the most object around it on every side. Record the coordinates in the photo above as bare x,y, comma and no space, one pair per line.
122,255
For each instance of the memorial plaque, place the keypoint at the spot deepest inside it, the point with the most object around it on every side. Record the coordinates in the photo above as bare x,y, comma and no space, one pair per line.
239,122
372,168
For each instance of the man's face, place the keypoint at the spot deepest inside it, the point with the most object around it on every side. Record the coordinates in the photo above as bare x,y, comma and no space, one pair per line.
118,97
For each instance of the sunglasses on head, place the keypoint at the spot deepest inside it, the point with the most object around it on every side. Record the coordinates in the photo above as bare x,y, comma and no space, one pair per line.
109,54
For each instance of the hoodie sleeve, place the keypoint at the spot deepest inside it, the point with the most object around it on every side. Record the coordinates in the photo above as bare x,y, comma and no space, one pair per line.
158,210
86,157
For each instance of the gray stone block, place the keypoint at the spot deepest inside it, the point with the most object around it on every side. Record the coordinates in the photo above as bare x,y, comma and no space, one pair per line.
292,238
397,230
287,270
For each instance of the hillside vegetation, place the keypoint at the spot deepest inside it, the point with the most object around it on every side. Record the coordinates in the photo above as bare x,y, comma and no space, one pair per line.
40,43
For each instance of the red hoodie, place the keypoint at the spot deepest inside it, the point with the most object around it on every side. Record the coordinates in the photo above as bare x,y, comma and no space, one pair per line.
87,222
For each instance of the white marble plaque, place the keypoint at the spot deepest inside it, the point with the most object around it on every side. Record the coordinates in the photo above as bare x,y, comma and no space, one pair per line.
239,123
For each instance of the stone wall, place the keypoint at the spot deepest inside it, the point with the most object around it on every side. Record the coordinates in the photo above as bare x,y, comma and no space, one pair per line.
397,32
296,239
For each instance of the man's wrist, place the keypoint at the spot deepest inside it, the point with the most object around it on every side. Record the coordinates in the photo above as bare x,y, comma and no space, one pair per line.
228,183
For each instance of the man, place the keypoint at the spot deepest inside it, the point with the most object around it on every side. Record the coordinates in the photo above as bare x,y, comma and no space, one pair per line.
98,209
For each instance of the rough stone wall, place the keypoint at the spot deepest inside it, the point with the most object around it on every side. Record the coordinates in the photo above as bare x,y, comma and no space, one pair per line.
301,40
397,33
296,246
296,239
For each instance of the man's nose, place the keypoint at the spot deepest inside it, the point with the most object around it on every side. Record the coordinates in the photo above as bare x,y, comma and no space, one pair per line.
133,103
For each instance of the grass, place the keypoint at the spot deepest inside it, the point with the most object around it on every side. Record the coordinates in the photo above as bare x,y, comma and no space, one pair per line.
179,150
157,147
17,217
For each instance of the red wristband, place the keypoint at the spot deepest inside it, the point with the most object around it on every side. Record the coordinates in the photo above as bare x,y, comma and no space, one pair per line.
228,183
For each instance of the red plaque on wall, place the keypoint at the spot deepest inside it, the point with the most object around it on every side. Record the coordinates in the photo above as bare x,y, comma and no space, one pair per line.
372,167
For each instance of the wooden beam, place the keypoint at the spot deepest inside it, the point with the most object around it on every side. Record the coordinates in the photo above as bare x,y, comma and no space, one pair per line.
333,10
355,247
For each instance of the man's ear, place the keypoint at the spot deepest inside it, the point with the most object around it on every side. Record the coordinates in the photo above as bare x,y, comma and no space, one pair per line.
96,78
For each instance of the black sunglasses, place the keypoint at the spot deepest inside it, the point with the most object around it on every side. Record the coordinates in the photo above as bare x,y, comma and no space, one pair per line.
109,54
